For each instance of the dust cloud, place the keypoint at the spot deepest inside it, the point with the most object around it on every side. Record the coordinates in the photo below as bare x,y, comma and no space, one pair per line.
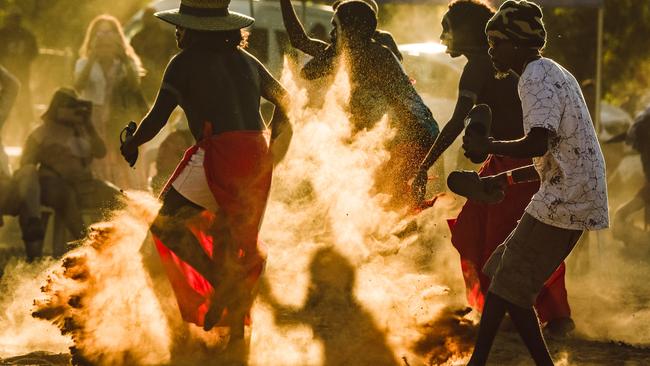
347,281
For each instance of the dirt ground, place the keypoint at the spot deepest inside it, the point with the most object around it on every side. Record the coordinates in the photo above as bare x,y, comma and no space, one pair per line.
508,350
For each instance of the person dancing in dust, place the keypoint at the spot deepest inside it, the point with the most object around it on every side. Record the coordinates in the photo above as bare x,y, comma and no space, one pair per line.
379,87
324,53
348,332
481,227
207,229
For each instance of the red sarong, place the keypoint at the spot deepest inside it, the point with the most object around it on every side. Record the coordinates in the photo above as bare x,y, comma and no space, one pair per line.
238,167
480,228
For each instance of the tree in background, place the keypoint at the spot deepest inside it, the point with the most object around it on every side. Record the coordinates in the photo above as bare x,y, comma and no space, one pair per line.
626,51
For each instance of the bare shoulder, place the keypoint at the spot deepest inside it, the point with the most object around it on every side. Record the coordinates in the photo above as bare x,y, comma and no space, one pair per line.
381,53
249,57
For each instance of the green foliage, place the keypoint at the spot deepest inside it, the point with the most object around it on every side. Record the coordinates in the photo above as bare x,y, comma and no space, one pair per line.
627,53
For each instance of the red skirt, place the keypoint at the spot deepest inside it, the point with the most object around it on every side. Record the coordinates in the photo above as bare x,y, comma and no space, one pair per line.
238,167
480,228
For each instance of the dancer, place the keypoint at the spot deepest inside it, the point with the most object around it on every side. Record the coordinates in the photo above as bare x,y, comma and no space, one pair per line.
481,227
207,229
560,137
379,87
323,53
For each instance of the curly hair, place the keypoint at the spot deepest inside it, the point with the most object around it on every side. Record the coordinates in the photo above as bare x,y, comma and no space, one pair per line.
468,19
358,17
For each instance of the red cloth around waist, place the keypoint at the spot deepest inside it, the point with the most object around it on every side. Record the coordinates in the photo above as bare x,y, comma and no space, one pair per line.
480,228
238,166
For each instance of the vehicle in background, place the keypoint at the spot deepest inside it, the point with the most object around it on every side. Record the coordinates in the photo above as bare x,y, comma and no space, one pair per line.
268,40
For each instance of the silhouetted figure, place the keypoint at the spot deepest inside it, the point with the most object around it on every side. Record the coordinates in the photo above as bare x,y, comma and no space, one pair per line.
347,331
322,48
568,162
481,227
207,229
18,50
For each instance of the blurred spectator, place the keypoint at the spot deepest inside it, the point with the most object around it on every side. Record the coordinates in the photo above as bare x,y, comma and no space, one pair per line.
18,49
624,228
108,74
9,87
155,47
55,172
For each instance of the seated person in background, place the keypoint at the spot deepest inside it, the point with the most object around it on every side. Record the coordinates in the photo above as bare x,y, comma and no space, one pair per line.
55,172
623,229
9,87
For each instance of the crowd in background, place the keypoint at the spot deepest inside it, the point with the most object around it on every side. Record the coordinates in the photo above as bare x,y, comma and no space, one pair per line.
120,77
68,158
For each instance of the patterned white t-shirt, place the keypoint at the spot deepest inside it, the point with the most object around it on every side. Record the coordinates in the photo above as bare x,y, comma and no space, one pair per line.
573,190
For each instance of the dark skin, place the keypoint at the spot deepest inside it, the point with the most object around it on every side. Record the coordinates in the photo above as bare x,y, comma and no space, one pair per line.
165,103
297,35
450,132
506,56
171,224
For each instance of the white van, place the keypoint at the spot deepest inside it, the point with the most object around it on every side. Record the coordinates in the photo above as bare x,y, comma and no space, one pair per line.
268,39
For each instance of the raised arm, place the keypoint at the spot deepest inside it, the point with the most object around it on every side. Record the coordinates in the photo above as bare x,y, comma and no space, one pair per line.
281,129
297,35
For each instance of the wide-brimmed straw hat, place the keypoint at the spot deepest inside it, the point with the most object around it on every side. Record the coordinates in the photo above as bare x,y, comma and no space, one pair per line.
206,15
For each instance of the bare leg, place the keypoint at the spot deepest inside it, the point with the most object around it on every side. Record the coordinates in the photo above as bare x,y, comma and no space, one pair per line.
525,320
170,226
493,313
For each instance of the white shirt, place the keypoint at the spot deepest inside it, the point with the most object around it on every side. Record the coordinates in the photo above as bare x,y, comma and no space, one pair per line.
573,189
98,88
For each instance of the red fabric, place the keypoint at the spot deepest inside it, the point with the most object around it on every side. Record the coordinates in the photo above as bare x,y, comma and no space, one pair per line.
238,168
480,228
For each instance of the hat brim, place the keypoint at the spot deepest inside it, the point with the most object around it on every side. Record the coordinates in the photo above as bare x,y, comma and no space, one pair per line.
232,21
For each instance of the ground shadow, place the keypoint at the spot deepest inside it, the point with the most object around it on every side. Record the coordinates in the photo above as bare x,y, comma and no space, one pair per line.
347,331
